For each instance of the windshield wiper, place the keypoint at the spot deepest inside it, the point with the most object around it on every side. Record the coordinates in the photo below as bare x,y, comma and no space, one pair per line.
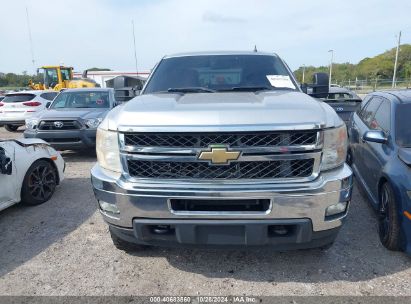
253,89
191,90
247,89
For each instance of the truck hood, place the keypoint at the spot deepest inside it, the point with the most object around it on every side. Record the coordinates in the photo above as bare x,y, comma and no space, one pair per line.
71,113
213,111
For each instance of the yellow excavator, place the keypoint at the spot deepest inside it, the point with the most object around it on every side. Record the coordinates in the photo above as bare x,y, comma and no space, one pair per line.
61,77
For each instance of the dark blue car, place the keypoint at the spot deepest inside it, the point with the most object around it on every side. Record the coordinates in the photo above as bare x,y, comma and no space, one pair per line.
380,155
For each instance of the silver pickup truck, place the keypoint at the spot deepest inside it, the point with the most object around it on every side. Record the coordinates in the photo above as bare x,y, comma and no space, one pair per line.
222,149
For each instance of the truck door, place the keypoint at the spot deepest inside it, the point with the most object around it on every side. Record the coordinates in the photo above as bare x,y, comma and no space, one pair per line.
7,174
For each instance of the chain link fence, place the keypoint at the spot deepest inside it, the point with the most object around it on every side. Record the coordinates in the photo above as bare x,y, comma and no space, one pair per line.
364,86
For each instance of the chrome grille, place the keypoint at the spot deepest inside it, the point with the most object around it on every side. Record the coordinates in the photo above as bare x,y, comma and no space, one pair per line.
234,140
67,125
236,170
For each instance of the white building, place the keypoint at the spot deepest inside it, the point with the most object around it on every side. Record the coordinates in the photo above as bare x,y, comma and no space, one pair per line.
102,76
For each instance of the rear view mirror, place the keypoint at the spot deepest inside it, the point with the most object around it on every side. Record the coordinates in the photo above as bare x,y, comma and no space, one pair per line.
5,163
375,136
48,104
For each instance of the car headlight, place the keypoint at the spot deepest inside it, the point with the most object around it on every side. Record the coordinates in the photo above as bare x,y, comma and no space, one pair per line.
335,148
31,124
108,152
93,123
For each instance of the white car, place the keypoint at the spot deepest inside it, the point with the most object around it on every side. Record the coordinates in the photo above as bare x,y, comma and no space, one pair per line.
30,170
15,108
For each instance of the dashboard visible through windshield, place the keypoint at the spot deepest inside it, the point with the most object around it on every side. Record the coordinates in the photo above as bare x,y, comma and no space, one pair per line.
213,73
85,99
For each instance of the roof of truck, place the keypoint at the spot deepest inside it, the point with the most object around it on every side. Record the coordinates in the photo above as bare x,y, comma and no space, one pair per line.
208,53
96,89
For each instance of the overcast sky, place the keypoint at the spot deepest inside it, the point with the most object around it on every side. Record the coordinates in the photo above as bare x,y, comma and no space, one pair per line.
98,33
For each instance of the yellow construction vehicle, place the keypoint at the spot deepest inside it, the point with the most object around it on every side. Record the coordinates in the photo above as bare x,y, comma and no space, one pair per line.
61,77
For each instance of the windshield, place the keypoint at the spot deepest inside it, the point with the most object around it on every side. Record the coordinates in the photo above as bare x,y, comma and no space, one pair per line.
65,74
343,96
209,73
85,99
50,77
12,98
403,125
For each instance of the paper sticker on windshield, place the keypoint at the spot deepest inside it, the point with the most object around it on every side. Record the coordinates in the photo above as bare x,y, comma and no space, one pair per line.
280,81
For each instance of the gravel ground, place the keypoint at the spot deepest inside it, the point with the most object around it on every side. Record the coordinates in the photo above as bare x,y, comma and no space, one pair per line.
63,248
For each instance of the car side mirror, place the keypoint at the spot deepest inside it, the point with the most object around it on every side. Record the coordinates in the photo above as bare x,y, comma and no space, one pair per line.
304,88
5,163
320,85
48,104
375,136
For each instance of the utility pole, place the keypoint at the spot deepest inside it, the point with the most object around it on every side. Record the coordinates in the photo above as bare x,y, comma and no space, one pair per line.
331,67
303,80
394,77
135,51
30,39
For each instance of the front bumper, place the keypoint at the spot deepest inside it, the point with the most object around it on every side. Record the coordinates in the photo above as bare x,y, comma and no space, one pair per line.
66,139
298,205
227,234
11,122
18,118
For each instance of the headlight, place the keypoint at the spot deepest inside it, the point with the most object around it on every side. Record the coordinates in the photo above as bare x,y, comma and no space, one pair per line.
108,153
31,124
335,148
93,123
336,209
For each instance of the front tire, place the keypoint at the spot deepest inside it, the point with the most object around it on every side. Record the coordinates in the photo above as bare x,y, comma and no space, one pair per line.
39,183
121,244
11,128
389,228
327,246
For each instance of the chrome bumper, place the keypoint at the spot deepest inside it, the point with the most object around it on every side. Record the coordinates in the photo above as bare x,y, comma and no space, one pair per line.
150,200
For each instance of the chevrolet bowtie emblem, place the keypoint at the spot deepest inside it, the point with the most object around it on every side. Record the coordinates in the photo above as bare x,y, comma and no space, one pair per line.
219,156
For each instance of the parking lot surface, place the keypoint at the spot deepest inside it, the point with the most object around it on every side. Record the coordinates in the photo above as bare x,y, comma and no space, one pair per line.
63,248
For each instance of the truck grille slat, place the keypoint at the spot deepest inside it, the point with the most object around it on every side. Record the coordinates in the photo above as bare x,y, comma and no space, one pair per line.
204,140
66,125
236,170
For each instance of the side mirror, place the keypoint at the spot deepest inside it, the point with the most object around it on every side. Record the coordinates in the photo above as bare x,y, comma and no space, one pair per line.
375,136
320,85
304,88
5,163
48,104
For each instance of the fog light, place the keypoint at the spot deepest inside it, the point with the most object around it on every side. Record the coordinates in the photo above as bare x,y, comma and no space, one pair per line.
346,182
111,208
336,209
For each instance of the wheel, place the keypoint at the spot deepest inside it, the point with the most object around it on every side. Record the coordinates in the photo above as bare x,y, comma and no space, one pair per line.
39,183
124,245
389,228
327,246
11,128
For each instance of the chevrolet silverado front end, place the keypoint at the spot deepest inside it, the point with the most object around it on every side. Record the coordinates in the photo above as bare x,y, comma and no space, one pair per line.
223,149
